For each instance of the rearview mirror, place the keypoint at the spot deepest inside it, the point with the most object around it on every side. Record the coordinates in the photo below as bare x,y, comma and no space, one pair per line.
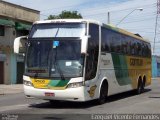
20,45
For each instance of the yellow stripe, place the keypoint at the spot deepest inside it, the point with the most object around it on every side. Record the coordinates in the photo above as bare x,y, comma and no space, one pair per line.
138,66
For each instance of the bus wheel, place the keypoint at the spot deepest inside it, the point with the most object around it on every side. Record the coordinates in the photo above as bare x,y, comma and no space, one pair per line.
143,85
139,87
103,94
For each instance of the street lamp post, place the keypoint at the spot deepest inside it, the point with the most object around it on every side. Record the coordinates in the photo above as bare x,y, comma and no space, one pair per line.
108,17
140,9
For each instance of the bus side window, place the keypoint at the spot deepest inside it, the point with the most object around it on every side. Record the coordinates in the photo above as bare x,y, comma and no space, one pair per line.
105,40
93,52
143,50
124,44
139,48
128,46
117,41
136,48
148,50
133,47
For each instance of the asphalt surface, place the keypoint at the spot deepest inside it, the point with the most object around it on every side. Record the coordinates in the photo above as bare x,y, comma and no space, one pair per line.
18,107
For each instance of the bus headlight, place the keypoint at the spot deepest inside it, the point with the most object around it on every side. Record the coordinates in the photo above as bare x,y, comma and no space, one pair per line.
27,83
75,85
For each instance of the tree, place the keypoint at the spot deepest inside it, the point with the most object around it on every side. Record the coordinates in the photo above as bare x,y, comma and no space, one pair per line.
66,15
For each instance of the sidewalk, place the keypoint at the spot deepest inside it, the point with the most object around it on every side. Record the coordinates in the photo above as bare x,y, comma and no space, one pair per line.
11,89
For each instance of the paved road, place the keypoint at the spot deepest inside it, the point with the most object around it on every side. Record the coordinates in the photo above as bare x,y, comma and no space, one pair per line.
125,103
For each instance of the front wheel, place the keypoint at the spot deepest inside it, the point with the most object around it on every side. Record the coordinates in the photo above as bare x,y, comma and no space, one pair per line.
103,94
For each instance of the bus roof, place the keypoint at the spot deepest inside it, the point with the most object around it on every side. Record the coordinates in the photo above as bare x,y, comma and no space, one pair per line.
114,28
68,21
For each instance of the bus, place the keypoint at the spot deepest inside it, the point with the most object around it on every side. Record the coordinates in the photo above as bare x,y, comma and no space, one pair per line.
82,60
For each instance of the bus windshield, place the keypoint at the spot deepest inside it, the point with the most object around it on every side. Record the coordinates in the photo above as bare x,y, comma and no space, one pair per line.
54,58
57,30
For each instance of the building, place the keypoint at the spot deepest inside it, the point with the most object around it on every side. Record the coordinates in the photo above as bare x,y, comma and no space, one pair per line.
155,66
15,21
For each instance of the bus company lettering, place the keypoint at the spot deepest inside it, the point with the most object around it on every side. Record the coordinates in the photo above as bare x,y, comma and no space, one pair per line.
106,62
136,62
39,81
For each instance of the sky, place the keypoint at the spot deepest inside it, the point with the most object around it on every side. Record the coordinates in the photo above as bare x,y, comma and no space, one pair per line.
141,22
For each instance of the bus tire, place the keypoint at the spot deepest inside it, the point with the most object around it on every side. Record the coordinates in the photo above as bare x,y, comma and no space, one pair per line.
139,87
143,84
103,94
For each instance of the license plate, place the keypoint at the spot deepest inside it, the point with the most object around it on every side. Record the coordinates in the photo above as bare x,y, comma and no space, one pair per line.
49,94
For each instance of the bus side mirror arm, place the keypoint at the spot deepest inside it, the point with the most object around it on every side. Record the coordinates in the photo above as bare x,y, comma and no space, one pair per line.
19,44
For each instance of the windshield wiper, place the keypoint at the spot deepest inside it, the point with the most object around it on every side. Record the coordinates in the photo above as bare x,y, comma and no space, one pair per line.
55,61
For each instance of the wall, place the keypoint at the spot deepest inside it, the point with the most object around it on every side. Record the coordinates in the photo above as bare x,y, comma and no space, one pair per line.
158,65
155,66
18,12
6,47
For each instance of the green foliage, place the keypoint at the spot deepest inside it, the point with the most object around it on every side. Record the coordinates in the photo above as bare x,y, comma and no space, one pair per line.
66,15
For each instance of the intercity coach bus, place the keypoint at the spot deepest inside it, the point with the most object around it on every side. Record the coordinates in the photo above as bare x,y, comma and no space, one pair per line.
82,60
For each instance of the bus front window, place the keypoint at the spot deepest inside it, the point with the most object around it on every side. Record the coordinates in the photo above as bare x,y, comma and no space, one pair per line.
61,61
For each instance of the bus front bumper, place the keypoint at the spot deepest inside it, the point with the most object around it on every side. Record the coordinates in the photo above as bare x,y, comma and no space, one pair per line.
69,94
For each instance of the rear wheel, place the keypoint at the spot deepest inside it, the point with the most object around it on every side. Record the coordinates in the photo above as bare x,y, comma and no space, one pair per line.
143,85
140,86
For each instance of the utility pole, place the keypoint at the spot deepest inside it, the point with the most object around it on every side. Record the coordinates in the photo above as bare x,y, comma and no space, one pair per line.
108,18
158,6
156,25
